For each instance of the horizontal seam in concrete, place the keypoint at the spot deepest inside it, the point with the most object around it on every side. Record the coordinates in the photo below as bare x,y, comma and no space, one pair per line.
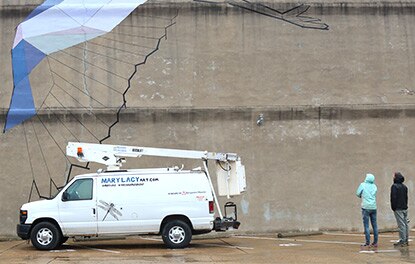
189,114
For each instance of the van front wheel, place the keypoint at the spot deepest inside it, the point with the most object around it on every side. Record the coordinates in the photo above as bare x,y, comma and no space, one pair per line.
45,236
176,234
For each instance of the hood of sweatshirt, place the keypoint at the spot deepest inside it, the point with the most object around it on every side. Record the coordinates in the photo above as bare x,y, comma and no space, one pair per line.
370,178
398,178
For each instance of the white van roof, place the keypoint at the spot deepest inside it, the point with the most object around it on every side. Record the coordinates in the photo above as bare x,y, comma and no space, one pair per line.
138,172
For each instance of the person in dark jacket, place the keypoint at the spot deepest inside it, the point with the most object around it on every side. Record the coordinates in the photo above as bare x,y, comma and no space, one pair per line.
399,204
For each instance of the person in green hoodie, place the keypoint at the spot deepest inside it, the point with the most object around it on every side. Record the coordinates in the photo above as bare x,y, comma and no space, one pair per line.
367,192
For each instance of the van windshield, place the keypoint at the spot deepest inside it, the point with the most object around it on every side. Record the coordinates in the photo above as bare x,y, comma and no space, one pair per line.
55,192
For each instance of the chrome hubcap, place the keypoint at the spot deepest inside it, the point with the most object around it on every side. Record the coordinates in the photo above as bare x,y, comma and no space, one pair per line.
177,234
44,236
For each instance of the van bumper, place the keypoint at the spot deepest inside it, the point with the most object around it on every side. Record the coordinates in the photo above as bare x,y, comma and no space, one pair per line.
225,224
23,231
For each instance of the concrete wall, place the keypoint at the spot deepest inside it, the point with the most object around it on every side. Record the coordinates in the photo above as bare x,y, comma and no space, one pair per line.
336,104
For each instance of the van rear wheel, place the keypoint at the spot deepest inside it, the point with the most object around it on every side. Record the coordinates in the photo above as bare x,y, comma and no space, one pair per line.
45,236
176,234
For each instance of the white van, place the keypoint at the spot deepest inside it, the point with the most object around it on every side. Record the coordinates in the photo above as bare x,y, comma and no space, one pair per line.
173,203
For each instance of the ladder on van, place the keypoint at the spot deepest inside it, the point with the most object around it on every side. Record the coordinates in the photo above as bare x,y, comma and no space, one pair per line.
230,172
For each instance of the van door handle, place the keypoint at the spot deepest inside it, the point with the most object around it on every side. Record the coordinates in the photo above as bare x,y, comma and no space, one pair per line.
93,211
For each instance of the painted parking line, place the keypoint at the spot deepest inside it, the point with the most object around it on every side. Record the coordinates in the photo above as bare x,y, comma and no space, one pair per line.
387,250
290,245
378,251
367,252
320,241
358,235
151,239
395,241
259,238
302,240
12,247
211,245
99,249
62,250
226,246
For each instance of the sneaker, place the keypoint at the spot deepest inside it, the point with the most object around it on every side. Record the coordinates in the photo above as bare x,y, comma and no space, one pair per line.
374,246
364,246
400,244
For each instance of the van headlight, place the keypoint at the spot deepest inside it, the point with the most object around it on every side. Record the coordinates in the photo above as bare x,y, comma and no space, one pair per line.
23,216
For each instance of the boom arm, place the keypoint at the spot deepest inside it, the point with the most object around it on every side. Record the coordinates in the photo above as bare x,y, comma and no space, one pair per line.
113,155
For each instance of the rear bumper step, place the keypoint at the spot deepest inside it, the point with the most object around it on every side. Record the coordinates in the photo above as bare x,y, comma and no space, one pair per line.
225,224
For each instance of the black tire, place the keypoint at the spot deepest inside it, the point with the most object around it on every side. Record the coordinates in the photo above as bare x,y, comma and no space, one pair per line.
176,234
45,236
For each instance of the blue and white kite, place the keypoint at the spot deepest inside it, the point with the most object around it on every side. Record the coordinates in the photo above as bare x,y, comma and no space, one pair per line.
53,26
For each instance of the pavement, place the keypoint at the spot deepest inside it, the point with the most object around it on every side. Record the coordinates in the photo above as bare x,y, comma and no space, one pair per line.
325,248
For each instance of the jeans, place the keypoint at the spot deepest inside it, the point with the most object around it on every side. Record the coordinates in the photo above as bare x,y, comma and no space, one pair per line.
401,218
370,214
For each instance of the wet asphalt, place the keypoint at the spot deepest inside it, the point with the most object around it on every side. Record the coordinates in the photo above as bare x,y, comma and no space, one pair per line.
326,248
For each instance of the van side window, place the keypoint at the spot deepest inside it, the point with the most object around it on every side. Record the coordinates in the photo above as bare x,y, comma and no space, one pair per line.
80,190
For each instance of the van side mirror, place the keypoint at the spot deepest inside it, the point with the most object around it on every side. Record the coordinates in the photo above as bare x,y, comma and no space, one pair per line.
65,196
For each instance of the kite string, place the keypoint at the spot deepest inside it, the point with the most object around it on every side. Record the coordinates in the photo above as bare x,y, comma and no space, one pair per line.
89,77
50,93
63,124
84,107
76,118
86,63
28,151
52,137
85,70
74,86
116,49
64,154
124,105
41,149
44,161
53,83
34,185
106,56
